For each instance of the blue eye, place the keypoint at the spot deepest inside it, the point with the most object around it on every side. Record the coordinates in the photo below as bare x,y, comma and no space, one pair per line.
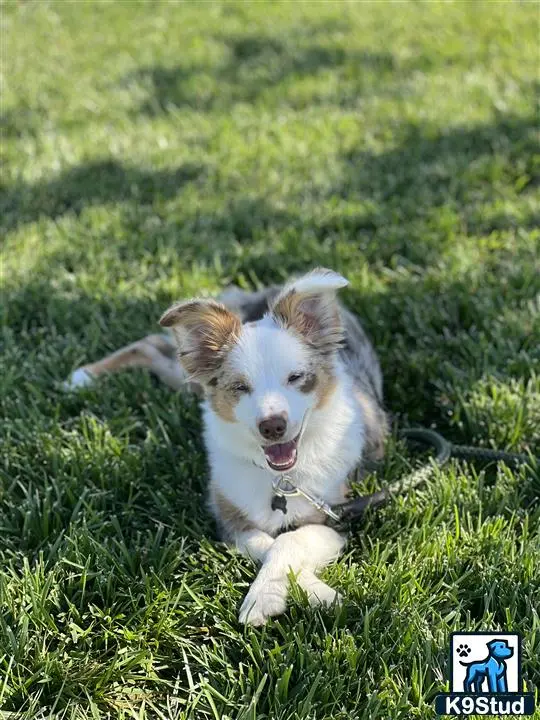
294,377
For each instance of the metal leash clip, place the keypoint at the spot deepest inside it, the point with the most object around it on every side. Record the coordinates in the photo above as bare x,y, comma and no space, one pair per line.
281,492
279,489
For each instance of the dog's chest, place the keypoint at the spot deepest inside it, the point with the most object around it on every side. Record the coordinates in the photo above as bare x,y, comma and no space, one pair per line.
289,512
326,458
252,492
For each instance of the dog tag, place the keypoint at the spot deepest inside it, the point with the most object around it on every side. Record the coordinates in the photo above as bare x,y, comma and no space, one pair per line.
279,503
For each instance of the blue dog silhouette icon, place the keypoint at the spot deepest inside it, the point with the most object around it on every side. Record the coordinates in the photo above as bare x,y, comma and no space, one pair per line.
493,669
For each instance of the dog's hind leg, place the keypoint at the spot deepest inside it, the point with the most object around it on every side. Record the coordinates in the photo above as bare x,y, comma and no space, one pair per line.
478,684
157,352
468,682
154,352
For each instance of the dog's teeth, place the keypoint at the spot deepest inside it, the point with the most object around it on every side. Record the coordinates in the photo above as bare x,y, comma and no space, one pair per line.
284,464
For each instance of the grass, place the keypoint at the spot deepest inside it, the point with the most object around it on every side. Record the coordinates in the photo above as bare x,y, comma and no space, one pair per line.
155,150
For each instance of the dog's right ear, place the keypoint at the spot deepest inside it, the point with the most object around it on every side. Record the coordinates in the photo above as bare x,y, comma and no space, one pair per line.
204,331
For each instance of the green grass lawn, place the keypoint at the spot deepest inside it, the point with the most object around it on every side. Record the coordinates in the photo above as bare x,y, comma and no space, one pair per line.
157,150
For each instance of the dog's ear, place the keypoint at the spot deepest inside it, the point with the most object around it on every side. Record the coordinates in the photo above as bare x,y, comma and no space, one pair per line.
309,306
204,331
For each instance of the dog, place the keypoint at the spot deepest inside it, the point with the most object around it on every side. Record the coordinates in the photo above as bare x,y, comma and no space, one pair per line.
493,669
291,386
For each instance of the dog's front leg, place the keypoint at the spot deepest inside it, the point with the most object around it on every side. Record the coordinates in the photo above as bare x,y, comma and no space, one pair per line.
253,543
500,684
303,552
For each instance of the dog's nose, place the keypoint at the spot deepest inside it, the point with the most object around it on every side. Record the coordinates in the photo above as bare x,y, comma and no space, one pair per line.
273,427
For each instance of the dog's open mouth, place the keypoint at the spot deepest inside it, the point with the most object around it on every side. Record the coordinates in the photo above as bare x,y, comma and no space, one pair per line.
282,456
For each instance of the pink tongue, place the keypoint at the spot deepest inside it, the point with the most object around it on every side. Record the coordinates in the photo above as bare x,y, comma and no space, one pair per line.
280,453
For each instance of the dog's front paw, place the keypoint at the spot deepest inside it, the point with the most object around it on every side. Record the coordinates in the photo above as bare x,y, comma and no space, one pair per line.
318,592
264,600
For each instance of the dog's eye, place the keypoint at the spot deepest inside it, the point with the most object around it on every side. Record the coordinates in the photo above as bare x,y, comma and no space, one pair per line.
240,388
294,377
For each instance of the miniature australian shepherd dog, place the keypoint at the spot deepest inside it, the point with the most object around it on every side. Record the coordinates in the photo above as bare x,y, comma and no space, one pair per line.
291,385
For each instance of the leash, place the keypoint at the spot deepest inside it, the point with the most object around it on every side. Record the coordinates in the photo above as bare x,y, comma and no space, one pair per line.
342,514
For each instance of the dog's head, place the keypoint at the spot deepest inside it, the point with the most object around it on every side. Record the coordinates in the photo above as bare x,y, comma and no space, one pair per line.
500,649
265,377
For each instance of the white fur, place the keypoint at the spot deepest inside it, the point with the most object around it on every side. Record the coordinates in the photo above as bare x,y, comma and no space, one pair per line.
266,355
79,378
330,447
318,281
301,552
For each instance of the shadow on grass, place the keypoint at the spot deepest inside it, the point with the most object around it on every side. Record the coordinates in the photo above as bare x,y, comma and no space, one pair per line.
251,65
458,164
459,169
19,121
254,64
96,183
439,182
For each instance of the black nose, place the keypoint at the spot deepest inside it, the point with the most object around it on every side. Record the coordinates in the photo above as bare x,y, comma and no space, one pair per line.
273,428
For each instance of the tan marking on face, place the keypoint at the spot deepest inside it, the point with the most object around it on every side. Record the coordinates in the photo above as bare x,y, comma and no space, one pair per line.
221,392
321,378
326,386
232,518
223,403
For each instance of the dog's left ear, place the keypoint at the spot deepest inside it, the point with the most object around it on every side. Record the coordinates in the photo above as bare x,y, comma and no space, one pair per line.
309,306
